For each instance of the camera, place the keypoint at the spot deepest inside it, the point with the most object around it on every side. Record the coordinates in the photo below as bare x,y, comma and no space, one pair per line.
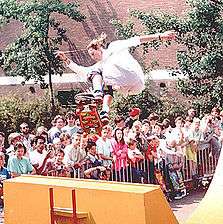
49,147
61,167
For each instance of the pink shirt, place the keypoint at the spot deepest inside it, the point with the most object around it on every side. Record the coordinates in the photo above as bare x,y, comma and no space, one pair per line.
120,154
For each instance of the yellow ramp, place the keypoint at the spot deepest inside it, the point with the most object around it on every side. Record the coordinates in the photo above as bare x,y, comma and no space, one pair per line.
210,209
27,201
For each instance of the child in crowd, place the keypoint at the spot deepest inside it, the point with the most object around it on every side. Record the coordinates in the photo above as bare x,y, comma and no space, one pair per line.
57,167
135,156
176,178
92,158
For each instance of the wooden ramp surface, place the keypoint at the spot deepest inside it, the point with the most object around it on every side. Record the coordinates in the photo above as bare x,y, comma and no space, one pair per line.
27,201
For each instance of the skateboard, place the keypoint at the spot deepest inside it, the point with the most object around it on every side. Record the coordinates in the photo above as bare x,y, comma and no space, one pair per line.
88,114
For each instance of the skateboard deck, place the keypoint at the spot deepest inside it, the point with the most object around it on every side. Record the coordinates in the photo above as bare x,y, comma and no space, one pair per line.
87,112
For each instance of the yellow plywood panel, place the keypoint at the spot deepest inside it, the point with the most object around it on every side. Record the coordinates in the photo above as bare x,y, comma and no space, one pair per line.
27,201
161,211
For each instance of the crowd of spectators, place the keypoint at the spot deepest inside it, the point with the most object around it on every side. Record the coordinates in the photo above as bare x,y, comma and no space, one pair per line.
131,150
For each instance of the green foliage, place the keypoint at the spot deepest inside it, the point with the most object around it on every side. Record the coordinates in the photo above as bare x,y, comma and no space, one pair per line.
151,23
124,30
32,55
200,34
145,101
172,107
165,105
202,60
14,111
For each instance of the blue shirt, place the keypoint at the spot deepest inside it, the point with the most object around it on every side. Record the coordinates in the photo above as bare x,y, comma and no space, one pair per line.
19,166
4,174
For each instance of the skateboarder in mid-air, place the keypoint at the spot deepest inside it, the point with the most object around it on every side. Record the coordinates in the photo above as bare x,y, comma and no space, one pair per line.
115,67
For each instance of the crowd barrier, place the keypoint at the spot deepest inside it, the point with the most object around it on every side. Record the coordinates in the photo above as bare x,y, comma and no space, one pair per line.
205,166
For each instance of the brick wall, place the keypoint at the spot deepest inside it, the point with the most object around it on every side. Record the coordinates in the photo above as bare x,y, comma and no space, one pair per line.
99,13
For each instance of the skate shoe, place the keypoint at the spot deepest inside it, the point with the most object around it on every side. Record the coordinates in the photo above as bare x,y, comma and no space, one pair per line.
104,117
98,95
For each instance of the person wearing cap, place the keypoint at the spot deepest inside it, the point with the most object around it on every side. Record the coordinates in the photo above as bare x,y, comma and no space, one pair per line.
13,138
133,116
18,164
26,137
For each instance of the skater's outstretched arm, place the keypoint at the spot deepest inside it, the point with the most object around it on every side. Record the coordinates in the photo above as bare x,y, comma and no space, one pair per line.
119,45
167,35
78,69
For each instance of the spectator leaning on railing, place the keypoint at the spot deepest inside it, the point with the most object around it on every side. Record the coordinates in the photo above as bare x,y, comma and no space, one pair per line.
120,155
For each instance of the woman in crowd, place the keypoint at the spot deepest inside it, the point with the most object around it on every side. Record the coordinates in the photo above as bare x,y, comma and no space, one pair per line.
120,155
19,164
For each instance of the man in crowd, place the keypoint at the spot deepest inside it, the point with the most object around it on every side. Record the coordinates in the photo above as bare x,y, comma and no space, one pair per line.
74,154
12,140
39,156
26,137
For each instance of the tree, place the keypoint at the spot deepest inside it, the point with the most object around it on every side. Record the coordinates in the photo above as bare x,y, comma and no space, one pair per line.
202,60
32,55
145,101
200,34
161,102
14,110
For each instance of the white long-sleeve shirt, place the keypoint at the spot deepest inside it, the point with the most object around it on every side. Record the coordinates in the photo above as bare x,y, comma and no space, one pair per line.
119,68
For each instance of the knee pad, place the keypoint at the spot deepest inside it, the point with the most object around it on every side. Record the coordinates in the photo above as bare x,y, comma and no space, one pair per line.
92,74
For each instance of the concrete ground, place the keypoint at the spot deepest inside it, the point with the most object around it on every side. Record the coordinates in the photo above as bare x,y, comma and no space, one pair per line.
184,207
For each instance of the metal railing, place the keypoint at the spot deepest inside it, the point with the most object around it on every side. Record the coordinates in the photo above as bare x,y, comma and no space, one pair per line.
144,170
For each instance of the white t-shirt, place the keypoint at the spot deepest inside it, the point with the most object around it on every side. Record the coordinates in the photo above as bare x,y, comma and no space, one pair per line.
37,158
118,67
133,152
104,147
